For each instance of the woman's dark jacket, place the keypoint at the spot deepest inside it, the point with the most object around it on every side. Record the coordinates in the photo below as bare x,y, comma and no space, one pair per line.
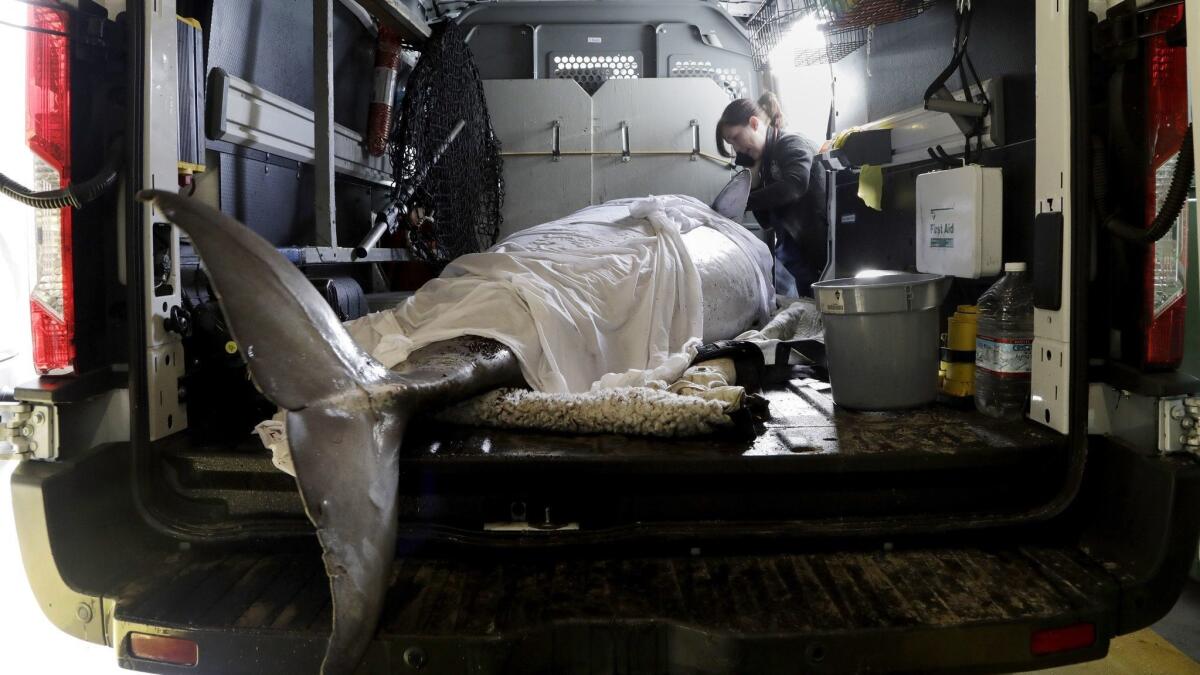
792,193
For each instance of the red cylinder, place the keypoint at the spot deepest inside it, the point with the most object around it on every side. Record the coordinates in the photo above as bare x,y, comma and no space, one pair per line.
387,69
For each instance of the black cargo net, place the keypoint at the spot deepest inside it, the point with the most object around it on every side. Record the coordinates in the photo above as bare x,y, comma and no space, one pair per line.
458,200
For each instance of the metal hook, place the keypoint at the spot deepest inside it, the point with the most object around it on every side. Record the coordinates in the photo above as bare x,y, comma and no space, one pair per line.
556,150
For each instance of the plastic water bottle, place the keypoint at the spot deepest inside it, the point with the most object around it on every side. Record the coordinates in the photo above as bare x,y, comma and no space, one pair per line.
1004,345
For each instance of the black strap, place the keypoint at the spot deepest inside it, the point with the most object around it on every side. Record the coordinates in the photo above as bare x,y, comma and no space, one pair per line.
957,356
960,49
813,350
747,359
961,62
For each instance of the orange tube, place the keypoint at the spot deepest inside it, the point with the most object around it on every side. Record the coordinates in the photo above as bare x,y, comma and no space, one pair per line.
387,69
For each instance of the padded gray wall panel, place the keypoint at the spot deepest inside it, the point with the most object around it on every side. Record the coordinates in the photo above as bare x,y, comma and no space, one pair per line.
538,191
658,113
536,188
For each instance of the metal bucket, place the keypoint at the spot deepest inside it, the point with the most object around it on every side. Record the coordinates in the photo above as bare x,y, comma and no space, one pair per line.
881,339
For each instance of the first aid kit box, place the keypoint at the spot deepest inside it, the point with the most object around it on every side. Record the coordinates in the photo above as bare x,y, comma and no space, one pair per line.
960,222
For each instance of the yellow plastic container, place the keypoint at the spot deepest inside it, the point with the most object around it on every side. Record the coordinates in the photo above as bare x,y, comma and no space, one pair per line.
957,371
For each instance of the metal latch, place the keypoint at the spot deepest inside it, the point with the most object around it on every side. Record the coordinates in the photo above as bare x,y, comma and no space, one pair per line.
27,431
522,523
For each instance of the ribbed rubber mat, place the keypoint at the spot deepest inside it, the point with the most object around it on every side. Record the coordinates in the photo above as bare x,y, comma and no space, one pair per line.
749,595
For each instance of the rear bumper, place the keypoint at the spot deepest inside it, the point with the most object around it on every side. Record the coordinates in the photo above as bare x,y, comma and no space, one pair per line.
916,610
634,647
1117,559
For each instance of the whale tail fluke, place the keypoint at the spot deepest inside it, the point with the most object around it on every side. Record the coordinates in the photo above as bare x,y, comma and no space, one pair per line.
346,413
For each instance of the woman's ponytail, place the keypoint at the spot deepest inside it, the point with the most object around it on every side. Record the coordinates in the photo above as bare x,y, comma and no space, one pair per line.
769,103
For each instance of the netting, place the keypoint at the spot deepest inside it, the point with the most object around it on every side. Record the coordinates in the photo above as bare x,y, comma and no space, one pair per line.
461,194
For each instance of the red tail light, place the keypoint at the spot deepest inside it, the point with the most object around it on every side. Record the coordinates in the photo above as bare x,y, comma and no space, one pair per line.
1166,261
1069,638
48,132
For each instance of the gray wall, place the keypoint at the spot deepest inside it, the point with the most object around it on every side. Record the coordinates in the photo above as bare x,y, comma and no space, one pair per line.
269,43
905,58
515,40
678,48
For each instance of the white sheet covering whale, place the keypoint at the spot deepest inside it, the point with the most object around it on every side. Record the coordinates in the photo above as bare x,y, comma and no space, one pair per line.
622,286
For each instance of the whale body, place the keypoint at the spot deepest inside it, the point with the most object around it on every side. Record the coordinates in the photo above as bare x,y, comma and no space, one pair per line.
347,412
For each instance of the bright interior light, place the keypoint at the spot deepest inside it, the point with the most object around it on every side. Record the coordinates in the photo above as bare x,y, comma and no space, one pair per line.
873,274
805,34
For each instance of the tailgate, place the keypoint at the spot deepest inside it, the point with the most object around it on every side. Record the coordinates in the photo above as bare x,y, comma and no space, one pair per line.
836,612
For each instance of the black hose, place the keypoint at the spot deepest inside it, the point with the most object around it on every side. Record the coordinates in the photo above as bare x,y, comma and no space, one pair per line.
52,199
1181,181
73,196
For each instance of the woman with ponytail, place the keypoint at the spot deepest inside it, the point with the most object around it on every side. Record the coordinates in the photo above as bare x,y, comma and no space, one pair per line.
788,198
